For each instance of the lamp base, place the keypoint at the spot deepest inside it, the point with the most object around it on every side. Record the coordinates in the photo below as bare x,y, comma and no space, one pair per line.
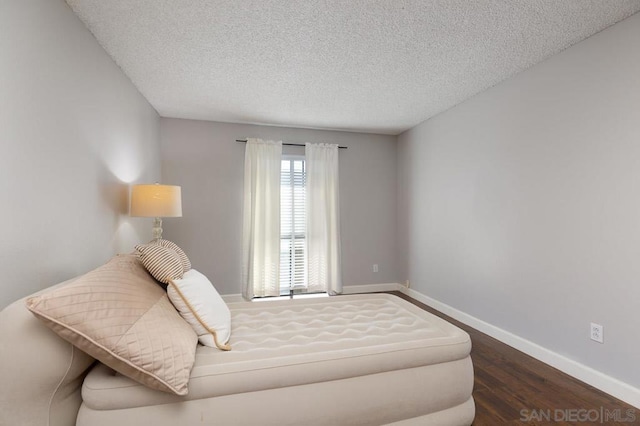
157,228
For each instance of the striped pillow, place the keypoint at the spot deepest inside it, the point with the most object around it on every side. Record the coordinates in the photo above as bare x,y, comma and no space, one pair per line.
161,262
186,264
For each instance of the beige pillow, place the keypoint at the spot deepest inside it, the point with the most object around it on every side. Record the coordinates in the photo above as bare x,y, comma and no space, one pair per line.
186,263
161,262
120,316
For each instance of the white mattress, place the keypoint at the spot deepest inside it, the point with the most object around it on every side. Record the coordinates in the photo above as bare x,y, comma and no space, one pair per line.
277,344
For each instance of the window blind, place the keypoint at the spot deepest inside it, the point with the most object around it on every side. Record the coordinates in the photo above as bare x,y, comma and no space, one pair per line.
292,224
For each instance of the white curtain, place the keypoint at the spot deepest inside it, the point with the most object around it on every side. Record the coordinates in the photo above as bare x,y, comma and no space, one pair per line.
323,219
261,225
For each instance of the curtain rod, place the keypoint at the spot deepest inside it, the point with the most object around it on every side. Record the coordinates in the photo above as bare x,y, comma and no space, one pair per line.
289,144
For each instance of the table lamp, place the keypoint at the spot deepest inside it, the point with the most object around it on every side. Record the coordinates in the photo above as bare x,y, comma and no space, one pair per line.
156,201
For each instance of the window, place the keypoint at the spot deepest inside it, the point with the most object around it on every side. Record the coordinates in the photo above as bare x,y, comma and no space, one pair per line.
305,208
292,225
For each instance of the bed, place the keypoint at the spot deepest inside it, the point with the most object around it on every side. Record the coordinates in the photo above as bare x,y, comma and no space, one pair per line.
367,359
343,360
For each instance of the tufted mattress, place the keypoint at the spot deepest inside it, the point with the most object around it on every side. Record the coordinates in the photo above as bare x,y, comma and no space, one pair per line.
374,355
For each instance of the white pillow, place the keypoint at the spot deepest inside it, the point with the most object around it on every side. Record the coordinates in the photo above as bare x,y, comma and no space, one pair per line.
202,307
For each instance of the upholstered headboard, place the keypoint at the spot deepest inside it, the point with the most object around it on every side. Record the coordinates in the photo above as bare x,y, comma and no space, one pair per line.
41,373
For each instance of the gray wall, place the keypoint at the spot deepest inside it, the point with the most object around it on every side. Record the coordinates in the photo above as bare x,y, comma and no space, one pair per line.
203,158
521,206
74,133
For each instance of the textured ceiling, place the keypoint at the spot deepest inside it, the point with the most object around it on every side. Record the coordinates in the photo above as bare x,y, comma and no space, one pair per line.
378,66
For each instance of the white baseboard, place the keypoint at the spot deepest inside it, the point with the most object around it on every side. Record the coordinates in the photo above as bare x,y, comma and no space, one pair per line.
597,379
232,298
348,289
369,288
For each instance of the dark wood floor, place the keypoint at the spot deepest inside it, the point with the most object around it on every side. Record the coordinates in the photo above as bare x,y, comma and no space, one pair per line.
514,388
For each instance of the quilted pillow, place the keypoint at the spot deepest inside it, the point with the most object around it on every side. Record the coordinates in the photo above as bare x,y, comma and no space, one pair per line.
161,262
200,304
186,263
120,316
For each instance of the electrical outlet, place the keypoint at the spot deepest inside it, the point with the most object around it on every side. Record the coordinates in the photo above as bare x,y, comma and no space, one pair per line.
597,333
407,284
375,267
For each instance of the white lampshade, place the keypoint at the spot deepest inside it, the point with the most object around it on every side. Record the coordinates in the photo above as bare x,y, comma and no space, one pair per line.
156,201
